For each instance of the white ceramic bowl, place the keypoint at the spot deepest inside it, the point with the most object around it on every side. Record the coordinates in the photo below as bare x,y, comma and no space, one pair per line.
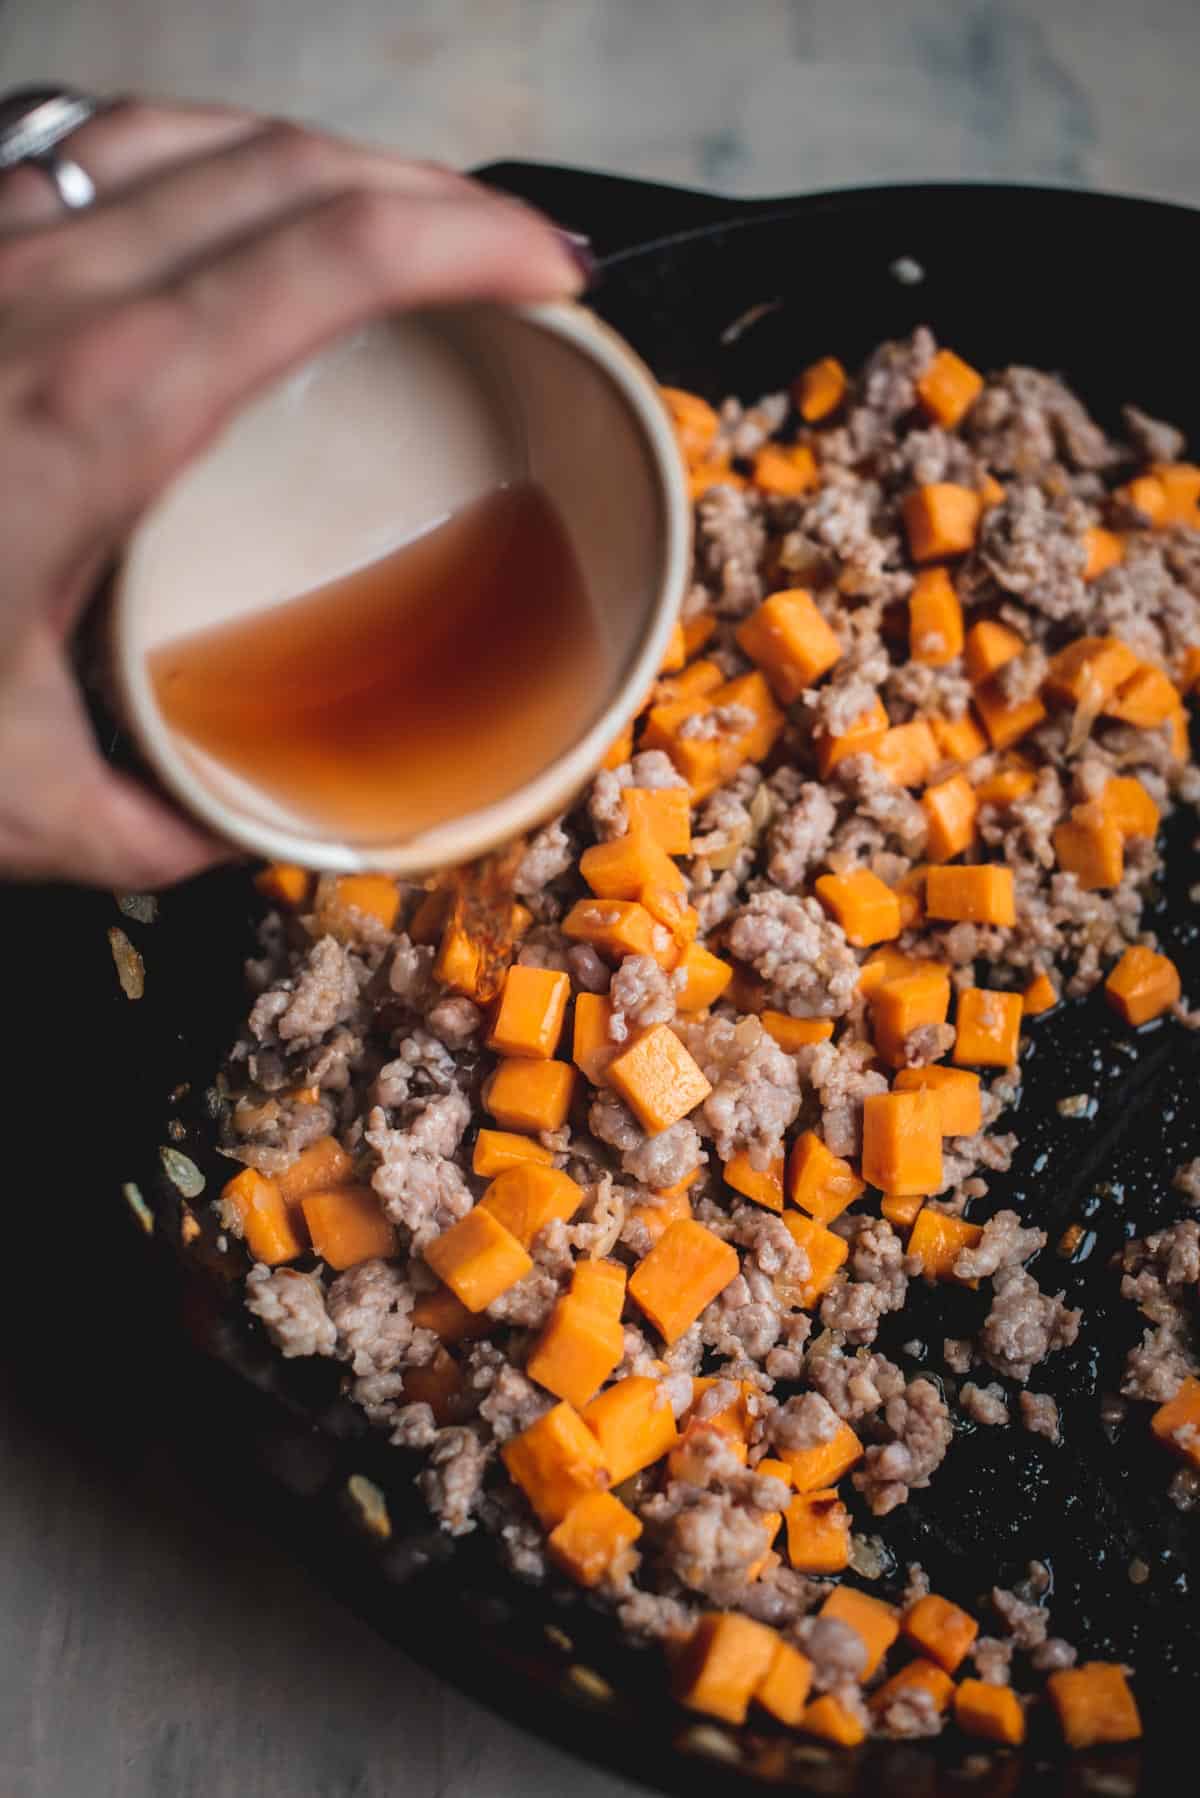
358,451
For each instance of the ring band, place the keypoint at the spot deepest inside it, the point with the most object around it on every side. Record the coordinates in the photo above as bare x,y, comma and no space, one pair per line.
33,121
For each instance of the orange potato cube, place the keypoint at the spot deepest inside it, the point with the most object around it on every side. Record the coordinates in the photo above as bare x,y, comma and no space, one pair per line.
1040,995
1007,722
948,389
978,895
993,1712
530,1095
696,424
829,1719
935,619
374,895
909,752
898,1007
1090,846
950,810
919,1675
902,1142
529,1012
1126,802
989,1028
1147,495
1003,788
617,927
718,473
684,1271
824,1463
593,1540
1094,1704
439,1384
861,737
1147,699
323,1164
957,1093
989,645
818,1181
1102,551
663,814
783,1688
284,883
634,1425
939,1240
658,1079
1179,735
673,1205
675,654
1177,1423
889,963
347,1226
765,1187
527,1197
456,964
826,1253
753,691
867,911
694,682
706,977
900,1209
447,1316
478,1259
591,1046
735,1419
818,1532
266,1223
620,749
873,1620
599,1284
496,1150
941,520
941,1630
819,389
697,630
578,1349
990,493
789,639
1189,676
958,739
556,1462
1142,985
1180,482
722,1665
679,919
1089,670
621,868
796,1033
784,468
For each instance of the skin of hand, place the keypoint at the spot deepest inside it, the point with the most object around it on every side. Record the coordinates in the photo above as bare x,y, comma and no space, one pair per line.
223,249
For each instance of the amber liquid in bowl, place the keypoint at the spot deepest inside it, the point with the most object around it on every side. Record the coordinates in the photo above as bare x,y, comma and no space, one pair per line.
420,687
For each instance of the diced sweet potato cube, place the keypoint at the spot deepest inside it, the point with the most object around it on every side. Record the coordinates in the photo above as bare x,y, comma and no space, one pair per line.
284,883
527,1197
620,749
818,1181
735,1417
520,919
1177,1423
919,1675
347,1225
958,739
902,1142
593,1540
1090,846
634,1425
530,1095
1180,482
983,894
1142,985
695,421
1145,700
941,1630
826,1253
267,1224
783,1689
1094,1704
578,1349
908,1003
673,1205
1040,995
684,1271
680,920
784,468
1126,802
478,1259
790,641
935,619
948,389
991,492
1179,735
706,977
795,1033
989,645
941,520
457,962
909,753
618,927
1189,671
374,895
717,473
828,1719
957,1093
556,1462
764,1186
752,691
675,654
1008,784
658,1079
722,1664
1102,550
1147,495
530,1012
939,1240
1007,721
600,1284
693,683
663,814
950,809
989,1028
697,630
900,1209
818,1532
993,1712
819,389
445,1314
438,1384
621,868
890,963
876,1622
862,736
1089,670
825,1462
323,1164
867,911
496,1150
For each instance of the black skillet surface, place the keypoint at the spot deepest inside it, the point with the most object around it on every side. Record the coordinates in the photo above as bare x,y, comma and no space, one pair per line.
723,297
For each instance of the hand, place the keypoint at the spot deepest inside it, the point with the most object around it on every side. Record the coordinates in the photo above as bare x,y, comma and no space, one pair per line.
222,250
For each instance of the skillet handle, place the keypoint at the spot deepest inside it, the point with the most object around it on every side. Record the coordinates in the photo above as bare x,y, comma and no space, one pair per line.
615,211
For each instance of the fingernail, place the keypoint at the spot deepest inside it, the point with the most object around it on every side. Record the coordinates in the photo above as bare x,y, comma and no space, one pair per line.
579,249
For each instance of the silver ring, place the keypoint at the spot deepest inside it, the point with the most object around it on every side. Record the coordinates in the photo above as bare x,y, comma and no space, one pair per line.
33,121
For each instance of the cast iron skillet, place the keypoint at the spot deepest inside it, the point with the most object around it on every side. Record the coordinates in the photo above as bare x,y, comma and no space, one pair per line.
722,297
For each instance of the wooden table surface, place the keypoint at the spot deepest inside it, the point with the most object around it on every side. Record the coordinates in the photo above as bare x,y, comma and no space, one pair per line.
153,1645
